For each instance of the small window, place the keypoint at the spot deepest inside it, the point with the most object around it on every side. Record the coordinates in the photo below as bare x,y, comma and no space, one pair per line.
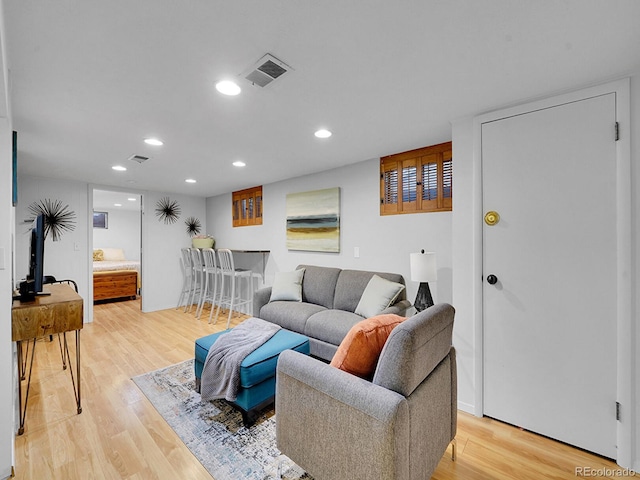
419,180
246,207
100,220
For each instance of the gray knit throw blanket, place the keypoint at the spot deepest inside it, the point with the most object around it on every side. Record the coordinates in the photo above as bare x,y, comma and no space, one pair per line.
221,372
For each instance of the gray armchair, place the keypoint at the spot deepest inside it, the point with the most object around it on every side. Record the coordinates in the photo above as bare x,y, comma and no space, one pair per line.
398,426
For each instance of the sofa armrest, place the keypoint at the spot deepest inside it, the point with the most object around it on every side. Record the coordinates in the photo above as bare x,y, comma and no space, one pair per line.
358,429
399,308
260,299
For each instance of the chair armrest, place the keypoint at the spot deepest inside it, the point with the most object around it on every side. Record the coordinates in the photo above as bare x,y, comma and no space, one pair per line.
260,299
328,421
399,308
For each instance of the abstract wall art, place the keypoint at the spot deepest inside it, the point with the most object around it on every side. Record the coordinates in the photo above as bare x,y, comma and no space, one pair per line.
313,220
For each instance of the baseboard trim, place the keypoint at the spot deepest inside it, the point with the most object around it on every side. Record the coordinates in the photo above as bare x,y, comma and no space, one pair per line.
467,407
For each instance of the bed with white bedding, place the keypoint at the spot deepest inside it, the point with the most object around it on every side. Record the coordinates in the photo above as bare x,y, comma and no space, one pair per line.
113,275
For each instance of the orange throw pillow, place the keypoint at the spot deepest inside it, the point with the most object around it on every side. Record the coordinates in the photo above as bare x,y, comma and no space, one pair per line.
360,349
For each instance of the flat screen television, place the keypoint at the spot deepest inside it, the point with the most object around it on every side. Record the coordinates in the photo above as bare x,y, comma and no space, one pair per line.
32,286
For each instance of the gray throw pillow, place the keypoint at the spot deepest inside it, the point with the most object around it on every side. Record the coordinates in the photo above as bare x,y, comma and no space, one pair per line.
287,286
378,295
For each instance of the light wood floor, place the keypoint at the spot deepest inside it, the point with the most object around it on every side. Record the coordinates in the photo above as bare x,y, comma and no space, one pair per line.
120,435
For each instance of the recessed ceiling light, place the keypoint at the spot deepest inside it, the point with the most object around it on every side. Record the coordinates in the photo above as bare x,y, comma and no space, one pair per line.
117,204
227,87
132,199
190,180
239,163
153,141
119,168
323,133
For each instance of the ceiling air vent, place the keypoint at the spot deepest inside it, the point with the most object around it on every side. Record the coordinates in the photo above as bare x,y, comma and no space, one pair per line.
138,158
266,70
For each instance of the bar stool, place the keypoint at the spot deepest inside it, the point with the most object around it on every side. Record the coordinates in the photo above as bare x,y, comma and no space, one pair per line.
210,288
197,280
228,273
187,271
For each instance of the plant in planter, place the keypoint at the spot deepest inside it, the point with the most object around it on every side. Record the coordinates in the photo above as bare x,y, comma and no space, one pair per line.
203,241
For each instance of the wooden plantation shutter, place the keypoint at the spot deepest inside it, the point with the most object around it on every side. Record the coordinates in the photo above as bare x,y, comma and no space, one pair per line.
246,207
429,164
419,180
388,187
258,198
447,179
410,186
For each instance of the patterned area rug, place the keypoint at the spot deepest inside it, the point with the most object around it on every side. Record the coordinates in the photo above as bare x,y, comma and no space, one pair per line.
214,431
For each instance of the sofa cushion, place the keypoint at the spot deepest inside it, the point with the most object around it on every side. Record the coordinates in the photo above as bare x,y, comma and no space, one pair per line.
359,351
290,315
378,295
319,284
287,286
330,326
351,285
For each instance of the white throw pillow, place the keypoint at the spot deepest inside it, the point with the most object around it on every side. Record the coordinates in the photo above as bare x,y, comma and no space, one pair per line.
113,254
377,296
287,286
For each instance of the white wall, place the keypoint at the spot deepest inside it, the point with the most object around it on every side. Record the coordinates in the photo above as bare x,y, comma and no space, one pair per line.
161,244
124,231
634,131
385,242
68,257
161,274
466,251
467,254
7,372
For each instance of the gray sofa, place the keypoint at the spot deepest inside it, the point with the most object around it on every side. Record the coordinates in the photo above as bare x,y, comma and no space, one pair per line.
329,299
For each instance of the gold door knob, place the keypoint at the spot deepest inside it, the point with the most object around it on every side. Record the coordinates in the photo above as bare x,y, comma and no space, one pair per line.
491,218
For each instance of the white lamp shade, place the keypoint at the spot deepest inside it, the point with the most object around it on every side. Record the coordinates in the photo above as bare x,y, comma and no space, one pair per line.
423,267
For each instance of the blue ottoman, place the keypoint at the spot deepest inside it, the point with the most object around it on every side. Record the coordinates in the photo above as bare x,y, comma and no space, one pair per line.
257,371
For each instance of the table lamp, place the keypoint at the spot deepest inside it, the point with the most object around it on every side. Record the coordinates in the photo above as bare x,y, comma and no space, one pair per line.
423,270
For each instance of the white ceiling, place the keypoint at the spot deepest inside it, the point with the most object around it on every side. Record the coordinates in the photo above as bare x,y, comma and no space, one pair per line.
106,200
90,79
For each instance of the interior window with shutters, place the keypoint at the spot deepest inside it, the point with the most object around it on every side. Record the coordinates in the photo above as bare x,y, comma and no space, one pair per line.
246,206
419,180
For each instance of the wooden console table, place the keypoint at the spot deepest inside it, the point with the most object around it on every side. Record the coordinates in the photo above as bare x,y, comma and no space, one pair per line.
57,313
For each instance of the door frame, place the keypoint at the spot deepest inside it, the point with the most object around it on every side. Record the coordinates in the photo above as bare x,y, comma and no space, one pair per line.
624,322
90,189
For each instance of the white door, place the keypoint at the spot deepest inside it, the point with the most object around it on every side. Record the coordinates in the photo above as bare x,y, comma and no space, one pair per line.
550,319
